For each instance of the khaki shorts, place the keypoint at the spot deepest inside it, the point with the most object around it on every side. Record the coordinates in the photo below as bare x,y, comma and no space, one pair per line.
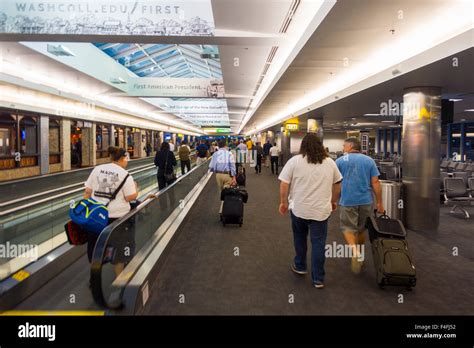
353,218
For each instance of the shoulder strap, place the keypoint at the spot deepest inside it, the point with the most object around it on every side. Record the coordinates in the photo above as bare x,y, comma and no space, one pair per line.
117,190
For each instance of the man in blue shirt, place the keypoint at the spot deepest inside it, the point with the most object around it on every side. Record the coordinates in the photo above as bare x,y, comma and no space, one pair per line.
360,177
223,164
202,152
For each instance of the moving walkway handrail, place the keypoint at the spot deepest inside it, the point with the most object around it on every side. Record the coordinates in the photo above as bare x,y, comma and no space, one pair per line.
63,194
28,205
58,173
103,240
42,193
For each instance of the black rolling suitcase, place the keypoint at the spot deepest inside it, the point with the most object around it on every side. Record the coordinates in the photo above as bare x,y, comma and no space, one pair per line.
392,259
233,208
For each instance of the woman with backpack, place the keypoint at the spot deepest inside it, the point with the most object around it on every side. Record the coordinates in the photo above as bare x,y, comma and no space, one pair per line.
112,185
165,161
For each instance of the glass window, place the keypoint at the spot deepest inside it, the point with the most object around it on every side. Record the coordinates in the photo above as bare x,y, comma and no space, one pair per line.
28,135
7,134
102,140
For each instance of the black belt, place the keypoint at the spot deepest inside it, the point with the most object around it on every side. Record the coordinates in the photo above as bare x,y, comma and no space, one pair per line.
217,172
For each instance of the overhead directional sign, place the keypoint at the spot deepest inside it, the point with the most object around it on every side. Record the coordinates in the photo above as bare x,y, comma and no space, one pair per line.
175,87
105,17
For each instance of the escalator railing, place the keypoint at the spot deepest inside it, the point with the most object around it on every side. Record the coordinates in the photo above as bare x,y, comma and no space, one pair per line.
123,246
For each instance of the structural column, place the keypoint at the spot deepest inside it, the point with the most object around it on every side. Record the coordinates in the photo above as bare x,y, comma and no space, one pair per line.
385,142
399,141
89,146
392,141
44,144
316,126
65,138
285,146
450,141
112,135
420,147
462,143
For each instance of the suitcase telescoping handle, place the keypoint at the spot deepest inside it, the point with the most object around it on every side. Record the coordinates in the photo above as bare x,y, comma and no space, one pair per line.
382,216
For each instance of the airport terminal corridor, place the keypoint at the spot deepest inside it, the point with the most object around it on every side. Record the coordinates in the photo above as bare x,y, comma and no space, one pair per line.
203,268
138,146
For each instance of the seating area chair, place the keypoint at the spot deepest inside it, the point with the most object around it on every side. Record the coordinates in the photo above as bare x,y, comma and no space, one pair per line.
457,194
461,166
462,175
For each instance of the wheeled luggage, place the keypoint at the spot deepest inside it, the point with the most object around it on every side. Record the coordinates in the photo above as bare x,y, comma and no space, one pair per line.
392,259
233,207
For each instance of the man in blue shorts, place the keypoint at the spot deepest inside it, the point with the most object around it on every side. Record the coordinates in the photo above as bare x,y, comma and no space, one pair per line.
360,177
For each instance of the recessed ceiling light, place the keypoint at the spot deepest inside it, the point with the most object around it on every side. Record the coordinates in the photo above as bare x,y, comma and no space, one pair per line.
387,121
469,110
371,114
455,100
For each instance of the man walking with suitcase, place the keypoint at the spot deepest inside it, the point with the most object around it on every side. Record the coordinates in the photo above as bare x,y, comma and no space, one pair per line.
223,164
361,176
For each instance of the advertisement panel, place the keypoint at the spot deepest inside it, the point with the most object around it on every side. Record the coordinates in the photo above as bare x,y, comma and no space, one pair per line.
105,17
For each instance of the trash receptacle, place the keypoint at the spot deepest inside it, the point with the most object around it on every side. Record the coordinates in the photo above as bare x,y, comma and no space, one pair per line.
391,195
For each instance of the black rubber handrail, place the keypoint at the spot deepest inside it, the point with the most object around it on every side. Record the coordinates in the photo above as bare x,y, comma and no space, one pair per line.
102,242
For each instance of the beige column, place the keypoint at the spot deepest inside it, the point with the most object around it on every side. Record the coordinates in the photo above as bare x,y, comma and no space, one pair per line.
65,146
89,146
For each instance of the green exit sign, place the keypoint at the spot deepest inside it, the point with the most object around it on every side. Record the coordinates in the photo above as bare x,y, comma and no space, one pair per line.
222,130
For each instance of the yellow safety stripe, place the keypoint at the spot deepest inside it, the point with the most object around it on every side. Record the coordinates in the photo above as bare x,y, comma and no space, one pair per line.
51,313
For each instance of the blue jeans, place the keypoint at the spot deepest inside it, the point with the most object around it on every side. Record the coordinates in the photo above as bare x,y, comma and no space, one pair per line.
318,232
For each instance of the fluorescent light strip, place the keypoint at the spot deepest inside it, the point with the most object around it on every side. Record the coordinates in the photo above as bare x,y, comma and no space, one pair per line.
36,100
407,47
23,72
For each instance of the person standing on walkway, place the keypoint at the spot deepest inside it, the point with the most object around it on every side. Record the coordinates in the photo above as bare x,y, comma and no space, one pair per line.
242,152
313,182
258,152
250,145
171,145
101,184
165,161
202,152
223,164
361,176
274,155
184,153
266,153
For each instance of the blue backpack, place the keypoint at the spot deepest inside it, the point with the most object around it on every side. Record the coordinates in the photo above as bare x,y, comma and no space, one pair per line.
91,215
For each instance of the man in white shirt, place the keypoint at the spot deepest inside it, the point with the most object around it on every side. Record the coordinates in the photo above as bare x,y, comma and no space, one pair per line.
312,180
241,152
171,146
274,155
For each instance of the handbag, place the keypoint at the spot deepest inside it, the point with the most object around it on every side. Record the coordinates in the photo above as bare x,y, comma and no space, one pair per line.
75,234
171,177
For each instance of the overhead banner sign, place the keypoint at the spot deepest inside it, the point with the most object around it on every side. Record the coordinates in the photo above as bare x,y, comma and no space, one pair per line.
197,106
105,17
175,87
